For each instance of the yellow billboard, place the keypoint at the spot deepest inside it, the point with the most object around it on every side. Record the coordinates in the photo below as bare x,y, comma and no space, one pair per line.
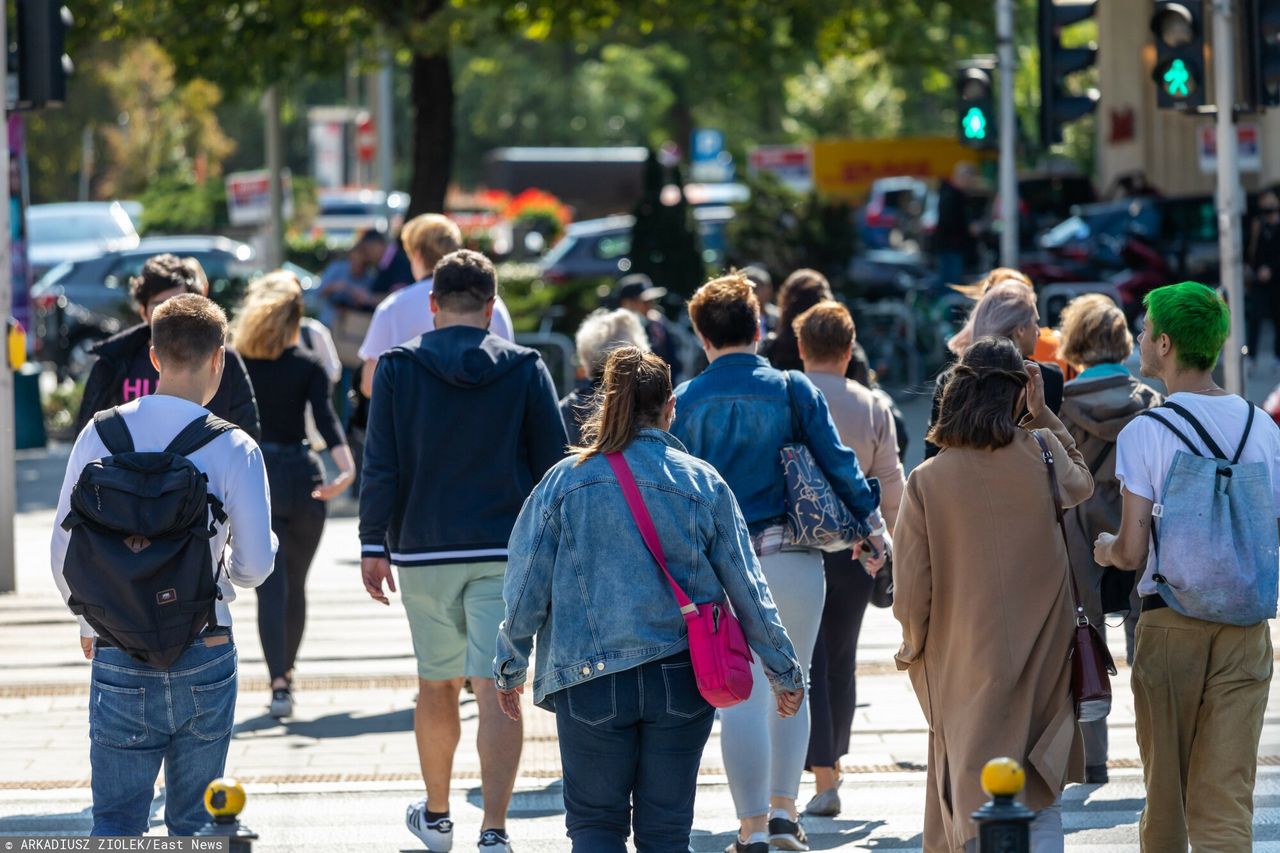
847,167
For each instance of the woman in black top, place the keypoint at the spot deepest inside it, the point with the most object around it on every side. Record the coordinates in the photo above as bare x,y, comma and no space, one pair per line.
288,378
1264,259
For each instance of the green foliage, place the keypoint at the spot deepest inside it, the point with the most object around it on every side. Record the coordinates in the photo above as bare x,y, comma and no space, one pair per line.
177,205
784,231
530,299
60,407
664,241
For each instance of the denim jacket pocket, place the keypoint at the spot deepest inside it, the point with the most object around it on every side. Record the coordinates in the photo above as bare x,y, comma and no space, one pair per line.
683,697
215,709
594,702
118,715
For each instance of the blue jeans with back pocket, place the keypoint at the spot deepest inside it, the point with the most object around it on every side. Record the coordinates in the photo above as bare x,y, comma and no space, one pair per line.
630,744
140,716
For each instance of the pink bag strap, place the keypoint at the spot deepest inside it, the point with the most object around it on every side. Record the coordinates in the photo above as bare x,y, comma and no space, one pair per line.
644,522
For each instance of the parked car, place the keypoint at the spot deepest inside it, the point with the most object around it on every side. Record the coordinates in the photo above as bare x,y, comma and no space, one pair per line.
345,214
600,248
78,303
75,231
894,213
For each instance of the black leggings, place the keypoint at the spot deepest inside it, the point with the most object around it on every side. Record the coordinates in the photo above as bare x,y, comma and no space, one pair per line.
833,688
297,520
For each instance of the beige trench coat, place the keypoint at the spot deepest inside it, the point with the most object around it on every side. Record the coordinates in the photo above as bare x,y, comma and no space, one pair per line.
980,587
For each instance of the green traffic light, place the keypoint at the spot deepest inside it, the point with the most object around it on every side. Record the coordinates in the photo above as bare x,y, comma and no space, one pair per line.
974,124
1176,79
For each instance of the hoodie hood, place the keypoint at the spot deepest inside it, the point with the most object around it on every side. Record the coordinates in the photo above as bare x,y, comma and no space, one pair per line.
122,345
1103,407
465,356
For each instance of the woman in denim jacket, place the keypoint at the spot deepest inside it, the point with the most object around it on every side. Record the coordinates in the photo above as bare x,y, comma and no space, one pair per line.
737,415
613,659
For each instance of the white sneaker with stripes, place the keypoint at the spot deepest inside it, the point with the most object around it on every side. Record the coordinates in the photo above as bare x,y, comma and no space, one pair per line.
437,835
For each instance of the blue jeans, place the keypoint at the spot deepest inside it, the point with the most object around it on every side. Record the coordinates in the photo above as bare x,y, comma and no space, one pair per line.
632,742
139,717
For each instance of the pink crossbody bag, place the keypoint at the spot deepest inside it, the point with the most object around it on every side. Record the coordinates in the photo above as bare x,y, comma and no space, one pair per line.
717,646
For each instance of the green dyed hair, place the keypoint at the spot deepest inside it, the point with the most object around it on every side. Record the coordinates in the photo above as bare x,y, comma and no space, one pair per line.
1195,318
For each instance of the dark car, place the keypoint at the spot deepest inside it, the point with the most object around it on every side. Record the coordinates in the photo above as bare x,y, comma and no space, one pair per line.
600,248
78,303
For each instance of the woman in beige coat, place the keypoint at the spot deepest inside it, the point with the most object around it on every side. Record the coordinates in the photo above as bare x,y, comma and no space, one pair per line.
980,587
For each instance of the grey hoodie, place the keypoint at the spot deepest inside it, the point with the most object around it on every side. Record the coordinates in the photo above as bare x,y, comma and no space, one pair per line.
1094,411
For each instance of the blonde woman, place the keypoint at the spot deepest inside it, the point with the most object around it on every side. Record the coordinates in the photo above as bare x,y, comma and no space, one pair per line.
288,378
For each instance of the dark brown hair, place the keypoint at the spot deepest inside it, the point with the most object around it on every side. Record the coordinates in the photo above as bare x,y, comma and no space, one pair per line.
165,272
187,330
725,311
635,388
979,396
464,281
826,331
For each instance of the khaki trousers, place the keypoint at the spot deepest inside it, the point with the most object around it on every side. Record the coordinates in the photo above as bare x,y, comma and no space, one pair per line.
1200,691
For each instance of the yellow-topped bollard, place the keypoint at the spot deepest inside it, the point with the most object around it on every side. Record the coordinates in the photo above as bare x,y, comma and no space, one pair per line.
224,799
1004,824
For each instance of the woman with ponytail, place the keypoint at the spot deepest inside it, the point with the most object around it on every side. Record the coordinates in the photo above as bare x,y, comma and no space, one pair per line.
613,658
980,574
288,379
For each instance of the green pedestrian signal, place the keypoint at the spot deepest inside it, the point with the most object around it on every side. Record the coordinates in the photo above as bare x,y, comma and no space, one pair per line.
975,124
1176,79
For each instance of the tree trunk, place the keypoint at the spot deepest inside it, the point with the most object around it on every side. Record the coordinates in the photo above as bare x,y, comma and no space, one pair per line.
432,95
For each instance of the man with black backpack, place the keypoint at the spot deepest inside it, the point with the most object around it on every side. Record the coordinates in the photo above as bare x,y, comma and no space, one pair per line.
1200,480
152,491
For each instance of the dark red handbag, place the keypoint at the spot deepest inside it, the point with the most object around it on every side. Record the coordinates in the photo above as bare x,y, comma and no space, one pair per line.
1091,662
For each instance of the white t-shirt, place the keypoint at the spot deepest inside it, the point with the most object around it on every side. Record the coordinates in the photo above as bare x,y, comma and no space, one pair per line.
406,314
237,477
1145,449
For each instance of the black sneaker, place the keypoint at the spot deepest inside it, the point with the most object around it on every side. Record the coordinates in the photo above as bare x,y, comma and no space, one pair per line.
787,834
1096,774
492,841
738,847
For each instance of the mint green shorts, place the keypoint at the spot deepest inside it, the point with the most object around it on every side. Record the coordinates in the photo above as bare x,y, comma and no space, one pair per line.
454,612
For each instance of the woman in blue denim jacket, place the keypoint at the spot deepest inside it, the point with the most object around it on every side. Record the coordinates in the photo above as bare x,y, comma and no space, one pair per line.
738,415
613,659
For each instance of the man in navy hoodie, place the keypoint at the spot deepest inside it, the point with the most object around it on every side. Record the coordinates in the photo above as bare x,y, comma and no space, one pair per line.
462,426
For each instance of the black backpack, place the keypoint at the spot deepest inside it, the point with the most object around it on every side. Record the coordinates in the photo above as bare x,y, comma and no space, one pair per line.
139,565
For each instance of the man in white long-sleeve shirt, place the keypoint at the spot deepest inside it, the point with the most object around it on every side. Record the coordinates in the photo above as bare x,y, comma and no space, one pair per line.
140,715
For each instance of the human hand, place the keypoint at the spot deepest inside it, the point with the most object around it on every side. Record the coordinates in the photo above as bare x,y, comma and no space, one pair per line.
375,570
1035,390
330,490
509,701
873,552
86,646
789,702
1102,549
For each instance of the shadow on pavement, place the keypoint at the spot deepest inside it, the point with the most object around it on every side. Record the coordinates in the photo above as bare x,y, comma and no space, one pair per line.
332,726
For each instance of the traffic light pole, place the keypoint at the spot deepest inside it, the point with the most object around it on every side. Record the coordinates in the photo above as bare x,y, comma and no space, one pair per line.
8,415
1230,193
1008,136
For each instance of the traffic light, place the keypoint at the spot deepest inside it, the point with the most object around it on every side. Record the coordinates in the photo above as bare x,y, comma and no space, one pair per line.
1058,106
43,67
1178,26
976,104
1262,53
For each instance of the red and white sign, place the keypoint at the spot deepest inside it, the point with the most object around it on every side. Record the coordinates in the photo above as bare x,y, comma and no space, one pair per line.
249,197
366,138
1248,147
792,164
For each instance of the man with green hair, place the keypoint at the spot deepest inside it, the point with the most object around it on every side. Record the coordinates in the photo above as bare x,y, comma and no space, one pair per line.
1200,687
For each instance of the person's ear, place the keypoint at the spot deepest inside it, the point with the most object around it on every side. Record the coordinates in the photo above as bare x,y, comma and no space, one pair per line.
155,362
219,361
489,306
1021,402
144,314
669,411
435,306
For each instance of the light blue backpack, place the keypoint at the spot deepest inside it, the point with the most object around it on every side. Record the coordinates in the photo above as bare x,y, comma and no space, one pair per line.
1216,555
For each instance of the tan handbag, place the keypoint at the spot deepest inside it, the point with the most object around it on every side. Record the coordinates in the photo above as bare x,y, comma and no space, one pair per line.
1091,662
350,325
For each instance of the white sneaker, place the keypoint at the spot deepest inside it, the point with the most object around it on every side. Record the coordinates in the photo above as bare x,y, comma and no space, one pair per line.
492,841
437,835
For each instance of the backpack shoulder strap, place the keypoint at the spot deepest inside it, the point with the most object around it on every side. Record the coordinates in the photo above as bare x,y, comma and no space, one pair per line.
197,434
1151,413
1200,430
113,431
797,431
1248,428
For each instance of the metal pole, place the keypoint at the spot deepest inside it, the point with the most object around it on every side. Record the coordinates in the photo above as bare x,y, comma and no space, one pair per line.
8,413
386,123
86,162
1008,136
1230,193
274,255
